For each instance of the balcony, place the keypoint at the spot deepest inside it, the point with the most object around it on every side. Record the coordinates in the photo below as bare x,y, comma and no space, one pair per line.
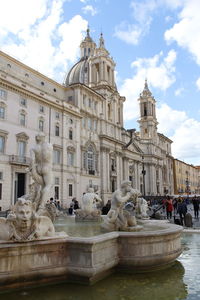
19,160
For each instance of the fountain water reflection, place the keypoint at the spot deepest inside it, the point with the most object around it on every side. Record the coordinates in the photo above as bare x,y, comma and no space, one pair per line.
87,229
157,285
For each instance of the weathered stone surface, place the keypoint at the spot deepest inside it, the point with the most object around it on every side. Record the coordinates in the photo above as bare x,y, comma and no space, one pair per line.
87,260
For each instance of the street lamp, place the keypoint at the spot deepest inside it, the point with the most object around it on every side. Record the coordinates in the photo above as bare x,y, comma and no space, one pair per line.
143,176
187,184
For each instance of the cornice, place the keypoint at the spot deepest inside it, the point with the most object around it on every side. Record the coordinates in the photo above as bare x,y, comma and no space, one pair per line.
14,88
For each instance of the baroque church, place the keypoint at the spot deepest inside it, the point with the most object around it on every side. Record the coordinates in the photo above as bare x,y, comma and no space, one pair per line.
83,120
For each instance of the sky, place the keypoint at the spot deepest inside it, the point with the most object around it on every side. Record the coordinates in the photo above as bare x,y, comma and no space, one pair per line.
154,39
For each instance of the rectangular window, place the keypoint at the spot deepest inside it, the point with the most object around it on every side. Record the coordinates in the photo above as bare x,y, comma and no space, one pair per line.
56,156
0,191
21,148
70,190
57,130
56,196
70,158
41,125
57,115
70,99
57,180
84,100
22,119
1,175
70,134
23,102
2,144
89,102
83,122
89,123
95,125
3,94
2,112
41,109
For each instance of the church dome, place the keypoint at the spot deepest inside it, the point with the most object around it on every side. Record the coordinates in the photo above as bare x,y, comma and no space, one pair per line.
78,73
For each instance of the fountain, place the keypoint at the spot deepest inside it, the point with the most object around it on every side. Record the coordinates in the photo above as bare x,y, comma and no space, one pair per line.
89,211
31,252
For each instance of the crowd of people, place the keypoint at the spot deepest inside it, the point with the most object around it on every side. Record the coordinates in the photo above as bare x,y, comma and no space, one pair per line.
172,207
177,207
54,202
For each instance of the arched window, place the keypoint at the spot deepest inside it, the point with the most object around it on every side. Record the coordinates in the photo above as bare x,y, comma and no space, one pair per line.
145,109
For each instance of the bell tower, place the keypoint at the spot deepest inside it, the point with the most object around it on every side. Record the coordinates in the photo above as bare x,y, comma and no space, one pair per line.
148,121
102,66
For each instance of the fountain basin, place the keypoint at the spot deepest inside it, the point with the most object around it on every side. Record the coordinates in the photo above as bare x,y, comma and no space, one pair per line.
88,259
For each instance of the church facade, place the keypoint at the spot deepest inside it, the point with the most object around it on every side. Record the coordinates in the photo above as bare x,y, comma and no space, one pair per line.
83,119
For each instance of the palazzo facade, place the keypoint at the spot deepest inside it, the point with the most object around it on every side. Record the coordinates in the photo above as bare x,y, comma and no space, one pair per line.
83,119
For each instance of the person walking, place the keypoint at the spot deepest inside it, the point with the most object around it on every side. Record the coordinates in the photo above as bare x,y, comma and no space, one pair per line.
182,210
169,207
195,202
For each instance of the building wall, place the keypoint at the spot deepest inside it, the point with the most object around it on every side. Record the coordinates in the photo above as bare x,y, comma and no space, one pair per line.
186,178
86,117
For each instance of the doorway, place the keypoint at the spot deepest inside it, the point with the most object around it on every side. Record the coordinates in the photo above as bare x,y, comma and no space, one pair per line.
20,183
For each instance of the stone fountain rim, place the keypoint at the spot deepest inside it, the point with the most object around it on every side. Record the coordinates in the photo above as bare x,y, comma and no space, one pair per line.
167,229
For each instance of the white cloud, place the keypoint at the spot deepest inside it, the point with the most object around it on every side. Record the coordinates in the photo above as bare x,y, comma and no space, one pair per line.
45,39
169,119
142,12
160,73
132,33
17,15
198,83
179,91
89,9
186,31
128,33
182,130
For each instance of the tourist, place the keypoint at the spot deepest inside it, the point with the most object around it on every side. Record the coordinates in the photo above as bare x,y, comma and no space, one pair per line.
182,210
195,203
175,204
58,205
106,208
71,209
76,204
169,207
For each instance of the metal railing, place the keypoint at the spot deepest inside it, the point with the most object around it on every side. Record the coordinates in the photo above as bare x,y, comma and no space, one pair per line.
19,160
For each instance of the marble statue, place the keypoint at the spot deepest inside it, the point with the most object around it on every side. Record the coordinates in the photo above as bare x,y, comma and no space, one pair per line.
30,219
118,218
23,224
141,208
89,210
41,172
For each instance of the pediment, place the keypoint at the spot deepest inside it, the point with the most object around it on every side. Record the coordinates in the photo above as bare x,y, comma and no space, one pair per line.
22,136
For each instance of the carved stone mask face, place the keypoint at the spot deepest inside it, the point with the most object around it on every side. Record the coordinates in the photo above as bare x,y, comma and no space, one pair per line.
24,213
